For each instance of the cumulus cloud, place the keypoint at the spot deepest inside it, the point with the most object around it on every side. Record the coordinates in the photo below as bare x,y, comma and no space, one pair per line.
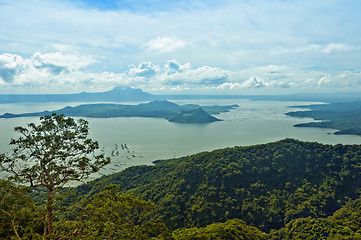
229,86
52,72
344,80
57,72
206,75
254,82
71,62
173,66
198,77
165,44
10,66
144,69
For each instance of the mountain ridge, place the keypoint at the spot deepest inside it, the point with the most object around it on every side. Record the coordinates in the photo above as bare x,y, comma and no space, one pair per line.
128,94
117,94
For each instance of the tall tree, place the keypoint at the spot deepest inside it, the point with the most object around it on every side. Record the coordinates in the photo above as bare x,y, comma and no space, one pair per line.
51,155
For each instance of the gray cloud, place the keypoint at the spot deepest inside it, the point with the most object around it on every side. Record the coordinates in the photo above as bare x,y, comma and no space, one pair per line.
7,74
214,81
173,66
53,69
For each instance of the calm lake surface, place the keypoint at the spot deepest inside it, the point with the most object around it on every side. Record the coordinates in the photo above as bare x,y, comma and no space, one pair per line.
138,141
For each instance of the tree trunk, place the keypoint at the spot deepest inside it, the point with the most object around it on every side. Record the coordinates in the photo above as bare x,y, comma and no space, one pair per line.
14,229
49,218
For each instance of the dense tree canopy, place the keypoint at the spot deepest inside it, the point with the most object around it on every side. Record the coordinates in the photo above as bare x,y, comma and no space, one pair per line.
18,216
266,185
111,215
283,190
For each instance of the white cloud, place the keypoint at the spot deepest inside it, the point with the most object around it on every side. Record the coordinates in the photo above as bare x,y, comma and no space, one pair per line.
254,82
229,86
228,34
344,80
57,72
144,69
10,66
326,80
54,72
201,76
337,47
165,44
69,61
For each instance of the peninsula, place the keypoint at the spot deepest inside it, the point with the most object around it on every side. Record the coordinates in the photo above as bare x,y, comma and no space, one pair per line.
345,117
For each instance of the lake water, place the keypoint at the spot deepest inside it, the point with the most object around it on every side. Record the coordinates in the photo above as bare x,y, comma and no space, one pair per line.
137,141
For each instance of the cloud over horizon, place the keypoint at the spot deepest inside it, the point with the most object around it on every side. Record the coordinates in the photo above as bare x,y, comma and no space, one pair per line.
61,72
229,45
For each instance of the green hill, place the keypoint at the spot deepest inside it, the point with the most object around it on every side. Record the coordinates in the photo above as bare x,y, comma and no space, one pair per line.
194,116
267,186
283,190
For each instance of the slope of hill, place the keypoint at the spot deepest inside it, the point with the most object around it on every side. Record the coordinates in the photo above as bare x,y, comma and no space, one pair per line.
267,186
345,223
194,116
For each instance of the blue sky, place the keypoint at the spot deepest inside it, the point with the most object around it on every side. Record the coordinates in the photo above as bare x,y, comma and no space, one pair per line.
229,46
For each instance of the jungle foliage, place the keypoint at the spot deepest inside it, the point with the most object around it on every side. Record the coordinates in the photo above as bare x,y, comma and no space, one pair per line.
283,190
267,186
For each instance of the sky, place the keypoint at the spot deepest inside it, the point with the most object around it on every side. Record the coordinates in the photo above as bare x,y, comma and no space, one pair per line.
179,47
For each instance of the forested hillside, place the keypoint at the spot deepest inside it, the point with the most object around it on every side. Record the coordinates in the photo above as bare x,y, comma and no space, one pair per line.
267,186
283,190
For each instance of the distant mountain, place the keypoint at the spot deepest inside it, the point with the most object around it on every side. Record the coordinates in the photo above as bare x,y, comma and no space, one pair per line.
127,94
190,113
118,94
194,116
